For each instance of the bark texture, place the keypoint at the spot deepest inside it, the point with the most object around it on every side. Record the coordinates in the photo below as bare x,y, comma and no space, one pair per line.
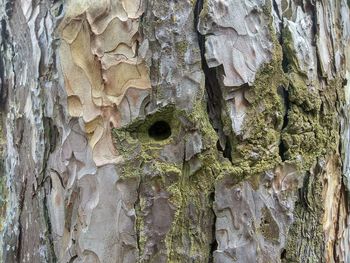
175,131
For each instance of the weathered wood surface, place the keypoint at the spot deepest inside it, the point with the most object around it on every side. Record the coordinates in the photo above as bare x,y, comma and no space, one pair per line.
175,131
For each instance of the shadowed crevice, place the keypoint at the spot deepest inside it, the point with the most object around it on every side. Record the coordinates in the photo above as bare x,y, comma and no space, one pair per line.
213,90
214,108
160,130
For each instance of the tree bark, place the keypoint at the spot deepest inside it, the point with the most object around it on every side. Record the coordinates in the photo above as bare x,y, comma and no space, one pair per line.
175,131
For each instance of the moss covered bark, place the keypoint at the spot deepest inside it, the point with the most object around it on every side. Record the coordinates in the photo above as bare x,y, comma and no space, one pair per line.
227,136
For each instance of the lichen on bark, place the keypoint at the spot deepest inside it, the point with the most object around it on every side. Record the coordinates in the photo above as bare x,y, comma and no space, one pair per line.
175,131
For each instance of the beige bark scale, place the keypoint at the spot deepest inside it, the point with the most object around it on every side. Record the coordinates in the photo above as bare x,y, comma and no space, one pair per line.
174,131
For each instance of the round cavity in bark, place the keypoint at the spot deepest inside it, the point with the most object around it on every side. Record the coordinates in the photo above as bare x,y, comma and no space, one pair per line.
160,130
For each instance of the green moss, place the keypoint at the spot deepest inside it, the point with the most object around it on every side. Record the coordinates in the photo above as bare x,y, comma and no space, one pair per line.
3,188
301,94
181,48
297,129
288,50
305,237
257,150
312,132
313,128
205,10
190,192
140,226
194,190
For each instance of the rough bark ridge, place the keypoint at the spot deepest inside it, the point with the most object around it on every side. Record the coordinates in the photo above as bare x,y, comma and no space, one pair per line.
175,131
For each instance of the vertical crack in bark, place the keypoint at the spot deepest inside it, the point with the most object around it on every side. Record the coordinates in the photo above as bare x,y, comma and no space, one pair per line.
137,218
336,234
9,6
213,91
214,107
49,236
20,226
3,84
275,7
280,24
214,243
285,97
51,134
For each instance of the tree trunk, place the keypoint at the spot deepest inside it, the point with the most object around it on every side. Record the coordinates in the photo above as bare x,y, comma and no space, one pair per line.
175,131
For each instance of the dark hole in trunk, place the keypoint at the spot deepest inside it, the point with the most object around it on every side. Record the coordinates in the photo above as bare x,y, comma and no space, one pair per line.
159,130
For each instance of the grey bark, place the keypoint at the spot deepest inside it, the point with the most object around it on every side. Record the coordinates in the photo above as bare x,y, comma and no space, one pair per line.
174,131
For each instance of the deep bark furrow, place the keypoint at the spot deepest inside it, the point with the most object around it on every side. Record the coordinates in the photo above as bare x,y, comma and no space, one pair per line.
214,96
175,131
